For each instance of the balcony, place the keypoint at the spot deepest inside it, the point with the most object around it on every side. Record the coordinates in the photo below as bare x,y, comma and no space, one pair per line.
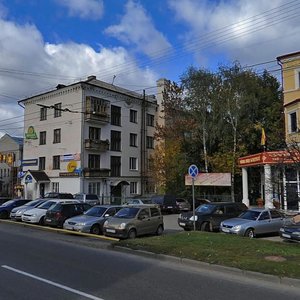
88,172
98,145
94,116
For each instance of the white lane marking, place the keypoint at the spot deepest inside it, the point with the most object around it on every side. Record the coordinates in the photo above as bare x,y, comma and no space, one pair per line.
52,283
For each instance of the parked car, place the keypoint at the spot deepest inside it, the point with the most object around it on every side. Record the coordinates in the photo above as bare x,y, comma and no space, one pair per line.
91,199
58,213
291,229
7,206
16,213
135,201
132,221
37,215
54,195
92,220
183,204
209,216
254,222
167,203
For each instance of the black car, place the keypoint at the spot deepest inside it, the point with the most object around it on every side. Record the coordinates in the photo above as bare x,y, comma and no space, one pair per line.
209,216
9,205
58,213
167,203
54,195
290,231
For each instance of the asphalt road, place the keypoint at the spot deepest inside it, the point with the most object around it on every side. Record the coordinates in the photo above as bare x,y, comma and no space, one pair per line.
36,264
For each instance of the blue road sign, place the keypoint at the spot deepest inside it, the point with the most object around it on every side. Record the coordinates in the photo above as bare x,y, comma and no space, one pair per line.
193,170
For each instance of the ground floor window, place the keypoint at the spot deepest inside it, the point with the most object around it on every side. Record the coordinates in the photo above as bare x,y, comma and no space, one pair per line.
133,187
55,187
94,188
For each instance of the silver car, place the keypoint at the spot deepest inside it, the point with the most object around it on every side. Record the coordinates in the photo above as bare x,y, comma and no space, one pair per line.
16,213
92,220
254,222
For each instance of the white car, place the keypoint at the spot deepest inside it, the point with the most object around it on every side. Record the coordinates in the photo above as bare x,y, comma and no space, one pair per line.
37,214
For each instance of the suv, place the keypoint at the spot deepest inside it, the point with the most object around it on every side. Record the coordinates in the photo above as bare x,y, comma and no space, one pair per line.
91,199
167,203
7,207
132,221
58,213
208,217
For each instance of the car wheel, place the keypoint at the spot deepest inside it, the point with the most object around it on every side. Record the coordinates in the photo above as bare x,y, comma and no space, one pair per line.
249,233
41,222
205,226
159,230
95,229
3,214
132,234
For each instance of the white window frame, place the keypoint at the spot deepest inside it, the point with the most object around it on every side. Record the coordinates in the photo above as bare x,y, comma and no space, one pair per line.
55,187
133,163
133,187
297,79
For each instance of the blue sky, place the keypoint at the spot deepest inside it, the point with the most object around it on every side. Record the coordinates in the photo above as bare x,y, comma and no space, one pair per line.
46,42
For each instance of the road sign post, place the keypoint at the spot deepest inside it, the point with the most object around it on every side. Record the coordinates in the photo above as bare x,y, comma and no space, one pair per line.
193,172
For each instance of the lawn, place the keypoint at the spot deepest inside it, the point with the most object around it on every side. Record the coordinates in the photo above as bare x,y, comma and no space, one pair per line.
226,250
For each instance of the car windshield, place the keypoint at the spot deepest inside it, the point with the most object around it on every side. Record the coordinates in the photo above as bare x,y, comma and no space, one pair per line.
32,203
127,213
7,203
250,215
46,205
205,208
96,211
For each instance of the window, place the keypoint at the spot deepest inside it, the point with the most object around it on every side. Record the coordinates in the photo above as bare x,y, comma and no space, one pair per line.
43,138
56,136
55,187
115,140
150,120
43,113
133,187
264,216
133,116
115,166
154,212
275,214
57,110
133,163
116,115
42,163
56,162
96,105
94,188
94,133
133,140
150,142
94,161
293,122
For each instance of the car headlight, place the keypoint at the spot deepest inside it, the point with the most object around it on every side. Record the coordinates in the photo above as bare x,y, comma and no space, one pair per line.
122,226
281,229
80,224
236,228
105,223
20,211
297,232
192,218
33,215
180,216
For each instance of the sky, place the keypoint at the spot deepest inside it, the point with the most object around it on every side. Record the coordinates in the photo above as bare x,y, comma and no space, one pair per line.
133,43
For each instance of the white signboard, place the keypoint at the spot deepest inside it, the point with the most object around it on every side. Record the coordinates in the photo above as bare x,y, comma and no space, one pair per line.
210,179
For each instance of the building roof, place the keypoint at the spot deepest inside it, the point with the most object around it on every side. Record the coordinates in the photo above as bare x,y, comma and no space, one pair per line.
288,55
18,140
39,175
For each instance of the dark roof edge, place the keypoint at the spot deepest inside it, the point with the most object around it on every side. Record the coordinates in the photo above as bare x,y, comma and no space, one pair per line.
288,55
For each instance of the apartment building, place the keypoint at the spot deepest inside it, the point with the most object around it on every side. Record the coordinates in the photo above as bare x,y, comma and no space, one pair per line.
88,137
11,149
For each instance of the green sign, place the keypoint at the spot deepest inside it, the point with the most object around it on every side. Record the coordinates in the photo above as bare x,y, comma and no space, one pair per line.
31,134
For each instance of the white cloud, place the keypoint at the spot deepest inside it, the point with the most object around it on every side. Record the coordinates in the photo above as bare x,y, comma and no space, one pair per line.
249,40
136,27
31,66
85,9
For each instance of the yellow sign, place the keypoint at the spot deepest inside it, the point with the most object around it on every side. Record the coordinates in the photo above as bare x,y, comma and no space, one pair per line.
72,165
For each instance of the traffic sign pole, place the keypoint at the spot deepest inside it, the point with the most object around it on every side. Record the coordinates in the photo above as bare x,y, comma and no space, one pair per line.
193,171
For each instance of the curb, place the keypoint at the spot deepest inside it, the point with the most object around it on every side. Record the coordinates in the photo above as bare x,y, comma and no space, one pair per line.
290,282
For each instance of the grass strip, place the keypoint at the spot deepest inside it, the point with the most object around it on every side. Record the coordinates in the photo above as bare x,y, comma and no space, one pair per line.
227,250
